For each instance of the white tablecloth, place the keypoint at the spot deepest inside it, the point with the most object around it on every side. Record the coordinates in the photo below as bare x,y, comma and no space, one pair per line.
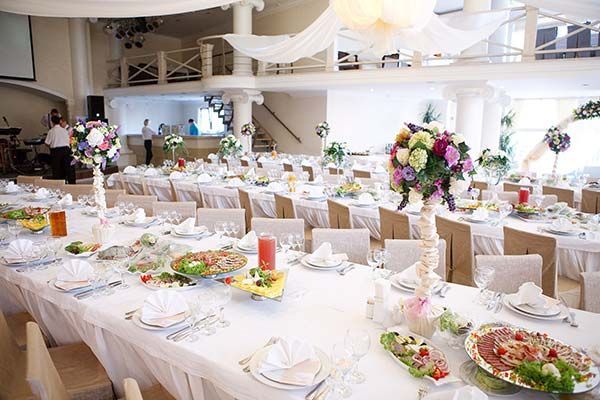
318,306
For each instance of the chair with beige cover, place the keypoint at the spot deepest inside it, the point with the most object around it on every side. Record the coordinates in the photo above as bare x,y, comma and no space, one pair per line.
140,201
26,180
13,365
209,216
111,196
184,191
284,207
134,184
515,187
278,227
404,253
393,224
336,171
361,174
16,324
246,204
590,287
187,209
562,194
355,243
288,167
339,215
310,170
50,183
79,190
590,201
459,250
481,186
133,392
161,188
512,271
244,163
65,372
518,242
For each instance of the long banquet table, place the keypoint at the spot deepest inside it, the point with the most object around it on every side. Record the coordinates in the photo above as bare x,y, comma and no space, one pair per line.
318,307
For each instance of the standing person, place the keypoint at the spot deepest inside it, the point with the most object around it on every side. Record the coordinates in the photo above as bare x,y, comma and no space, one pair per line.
47,119
60,151
193,128
147,133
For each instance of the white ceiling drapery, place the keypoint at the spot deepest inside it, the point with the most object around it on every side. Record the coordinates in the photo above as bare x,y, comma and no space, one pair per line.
107,8
588,9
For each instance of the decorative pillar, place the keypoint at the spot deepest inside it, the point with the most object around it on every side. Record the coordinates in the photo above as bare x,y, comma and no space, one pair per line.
206,58
493,110
529,43
242,25
501,36
242,111
117,115
470,102
161,61
80,68
473,6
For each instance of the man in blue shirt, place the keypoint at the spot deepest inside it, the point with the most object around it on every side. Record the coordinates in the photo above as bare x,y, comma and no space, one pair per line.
193,128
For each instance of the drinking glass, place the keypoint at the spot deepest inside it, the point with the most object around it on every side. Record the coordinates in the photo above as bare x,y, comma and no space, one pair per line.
36,256
343,362
219,229
222,294
537,199
175,218
228,229
193,318
207,307
13,229
286,241
483,277
358,342
53,246
121,206
121,266
373,258
474,193
299,242
129,208
504,210
82,200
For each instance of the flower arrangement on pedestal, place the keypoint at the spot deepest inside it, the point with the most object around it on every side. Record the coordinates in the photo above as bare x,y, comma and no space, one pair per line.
172,143
248,130
495,164
95,143
336,153
557,142
230,146
431,165
322,130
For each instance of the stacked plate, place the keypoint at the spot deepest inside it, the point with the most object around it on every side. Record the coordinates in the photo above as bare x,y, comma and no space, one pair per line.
43,258
273,380
309,262
159,324
410,285
245,249
474,220
139,224
197,232
566,231
549,311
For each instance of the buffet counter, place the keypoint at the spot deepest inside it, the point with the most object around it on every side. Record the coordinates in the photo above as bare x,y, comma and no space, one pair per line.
196,146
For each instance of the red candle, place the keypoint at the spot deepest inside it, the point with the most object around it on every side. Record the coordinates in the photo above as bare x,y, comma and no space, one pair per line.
267,248
523,196
181,162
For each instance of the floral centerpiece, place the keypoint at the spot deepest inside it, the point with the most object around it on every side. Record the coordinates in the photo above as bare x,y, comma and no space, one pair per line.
248,130
430,165
589,110
172,143
322,130
557,142
230,146
336,153
95,143
495,164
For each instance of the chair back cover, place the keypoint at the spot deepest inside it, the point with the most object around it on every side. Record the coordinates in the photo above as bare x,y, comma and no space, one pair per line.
590,201
562,194
459,250
355,243
590,286
512,271
361,174
187,209
246,204
393,224
404,253
339,215
310,170
284,207
140,201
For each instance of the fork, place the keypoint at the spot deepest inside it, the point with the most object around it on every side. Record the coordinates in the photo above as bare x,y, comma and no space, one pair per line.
344,270
421,393
493,302
246,360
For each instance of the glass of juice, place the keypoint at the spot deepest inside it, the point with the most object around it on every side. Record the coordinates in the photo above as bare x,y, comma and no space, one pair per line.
523,196
58,222
267,249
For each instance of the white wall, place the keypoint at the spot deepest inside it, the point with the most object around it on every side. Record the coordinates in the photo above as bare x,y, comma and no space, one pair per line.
368,120
168,112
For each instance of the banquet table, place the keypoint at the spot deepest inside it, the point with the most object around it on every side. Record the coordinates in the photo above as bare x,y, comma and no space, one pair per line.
318,306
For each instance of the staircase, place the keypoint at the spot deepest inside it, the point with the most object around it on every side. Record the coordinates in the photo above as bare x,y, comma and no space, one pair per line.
262,140
225,111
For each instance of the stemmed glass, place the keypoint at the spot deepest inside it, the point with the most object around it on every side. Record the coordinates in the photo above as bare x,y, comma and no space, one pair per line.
193,318
222,294
175,218
299,242
235,229
504,211
474,193
82,200
373,258
121,266
286,241
483,277
358,342
219,229
207,308
228,229
343,363
53,246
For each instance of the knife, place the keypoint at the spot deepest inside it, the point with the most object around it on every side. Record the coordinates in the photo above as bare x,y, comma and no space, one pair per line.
89,292
172,336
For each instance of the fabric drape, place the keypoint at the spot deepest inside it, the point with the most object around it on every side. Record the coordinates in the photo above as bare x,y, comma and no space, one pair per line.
588,9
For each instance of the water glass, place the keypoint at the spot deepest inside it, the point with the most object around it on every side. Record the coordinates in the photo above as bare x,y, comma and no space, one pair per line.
299,242
193,318
235,229
207,308
228,229
219,229
483,277
343,362
222,293
358,342
53,246
286,241
373,258
121,266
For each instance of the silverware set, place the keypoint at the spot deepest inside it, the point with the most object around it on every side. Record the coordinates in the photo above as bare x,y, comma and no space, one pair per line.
495,304
38,264
570,318
90,292
443,290
345,269
319,392
183,333
297,259
245,362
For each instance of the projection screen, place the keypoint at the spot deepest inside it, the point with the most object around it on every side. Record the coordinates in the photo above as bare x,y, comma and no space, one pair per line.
16,47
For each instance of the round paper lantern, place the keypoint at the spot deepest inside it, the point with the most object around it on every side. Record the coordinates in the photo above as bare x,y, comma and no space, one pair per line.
385,15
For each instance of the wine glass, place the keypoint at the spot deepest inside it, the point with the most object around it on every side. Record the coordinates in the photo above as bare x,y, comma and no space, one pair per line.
219,229
129,208
286,241
299,242
475,193
53,246
235,229
121,266
193,318
222,297
358,342
537,199
373,258
343,362
82,200
504,210
228,229
207,308
120,205
483,277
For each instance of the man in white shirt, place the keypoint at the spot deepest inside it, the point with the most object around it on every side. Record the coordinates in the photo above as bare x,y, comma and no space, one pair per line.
147,133
60,151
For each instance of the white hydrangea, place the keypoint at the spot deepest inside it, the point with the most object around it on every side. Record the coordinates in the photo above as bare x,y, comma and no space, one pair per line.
458,139
95,137
402,156
434,126
414,196
457,186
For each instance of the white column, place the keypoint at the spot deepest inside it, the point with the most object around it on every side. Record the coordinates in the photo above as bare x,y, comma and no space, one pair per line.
242,111
493,111
502,35
242,25
206,56
529,42
472,6
80,55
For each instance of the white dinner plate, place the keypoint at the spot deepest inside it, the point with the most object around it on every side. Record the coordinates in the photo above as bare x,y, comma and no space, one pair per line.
551,310
136,319
410,286
245,250
147,220
319,377
53,285
198,231
558,317
476,220
311,264
570,232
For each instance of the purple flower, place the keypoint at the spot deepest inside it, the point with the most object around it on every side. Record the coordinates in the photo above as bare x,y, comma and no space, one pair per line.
468,165
439,147
408,173
397,177
436,195
452,156
82,145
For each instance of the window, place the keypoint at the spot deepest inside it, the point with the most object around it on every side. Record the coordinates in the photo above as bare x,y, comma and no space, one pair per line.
209,121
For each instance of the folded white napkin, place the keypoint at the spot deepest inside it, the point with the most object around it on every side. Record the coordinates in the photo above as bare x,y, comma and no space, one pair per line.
12,187
163,308
213,156
204,178
379,169
261,159
75,271
525,181
562,224
130,170
235,182
463,393
318,179
249,241
139,216
291,361
529,294
366,199
480,214
67,200
42,193
18,251
151,172
315,192
285,161
409,275
324,254
176,175
275,187
186,226
245,158
331,165
305,163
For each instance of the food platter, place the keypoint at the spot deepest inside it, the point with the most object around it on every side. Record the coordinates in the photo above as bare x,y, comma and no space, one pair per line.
268,284
208,264
531,360
120,252
167,280
24,213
